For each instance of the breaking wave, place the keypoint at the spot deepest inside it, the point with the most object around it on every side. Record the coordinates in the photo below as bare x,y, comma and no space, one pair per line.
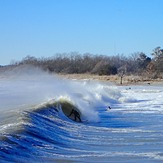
35,127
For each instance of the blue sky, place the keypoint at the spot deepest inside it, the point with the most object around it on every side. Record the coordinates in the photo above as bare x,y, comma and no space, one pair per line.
42,28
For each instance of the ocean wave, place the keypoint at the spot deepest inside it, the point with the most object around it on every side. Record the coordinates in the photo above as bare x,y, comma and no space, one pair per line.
35,125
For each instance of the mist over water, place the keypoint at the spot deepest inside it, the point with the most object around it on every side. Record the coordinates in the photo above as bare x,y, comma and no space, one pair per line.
33,130
25,87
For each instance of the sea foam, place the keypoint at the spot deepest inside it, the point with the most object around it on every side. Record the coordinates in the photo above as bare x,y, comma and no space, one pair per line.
26,87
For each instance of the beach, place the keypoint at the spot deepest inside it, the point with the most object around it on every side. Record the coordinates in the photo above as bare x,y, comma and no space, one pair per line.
115,79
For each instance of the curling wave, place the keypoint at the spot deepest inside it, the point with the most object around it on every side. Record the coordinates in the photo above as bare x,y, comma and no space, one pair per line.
35,125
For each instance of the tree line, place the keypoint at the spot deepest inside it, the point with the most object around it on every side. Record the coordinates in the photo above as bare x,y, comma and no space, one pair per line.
69,63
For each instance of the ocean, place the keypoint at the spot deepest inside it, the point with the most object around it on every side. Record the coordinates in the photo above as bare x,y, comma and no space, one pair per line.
120,124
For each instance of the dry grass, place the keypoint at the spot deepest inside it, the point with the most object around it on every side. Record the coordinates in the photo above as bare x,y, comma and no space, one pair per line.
127,80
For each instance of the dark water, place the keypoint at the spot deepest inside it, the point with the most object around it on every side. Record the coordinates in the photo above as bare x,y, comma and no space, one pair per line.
49,136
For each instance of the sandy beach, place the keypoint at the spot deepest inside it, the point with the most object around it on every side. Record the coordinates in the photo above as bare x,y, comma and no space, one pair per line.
127,80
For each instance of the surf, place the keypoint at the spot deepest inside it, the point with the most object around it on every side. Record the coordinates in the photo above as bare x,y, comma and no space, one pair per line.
36,125
28,87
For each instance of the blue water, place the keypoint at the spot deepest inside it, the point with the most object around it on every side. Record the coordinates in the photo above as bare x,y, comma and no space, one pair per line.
33,129
49,136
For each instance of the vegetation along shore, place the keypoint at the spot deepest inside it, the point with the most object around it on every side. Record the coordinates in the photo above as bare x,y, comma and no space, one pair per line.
135,68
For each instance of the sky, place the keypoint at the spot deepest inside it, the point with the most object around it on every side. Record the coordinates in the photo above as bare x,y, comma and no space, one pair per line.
42,28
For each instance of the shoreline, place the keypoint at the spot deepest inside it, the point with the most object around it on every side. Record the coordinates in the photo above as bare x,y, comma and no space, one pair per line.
127,80
115,79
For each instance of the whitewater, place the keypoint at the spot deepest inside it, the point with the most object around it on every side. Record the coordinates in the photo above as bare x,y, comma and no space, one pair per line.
33,127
